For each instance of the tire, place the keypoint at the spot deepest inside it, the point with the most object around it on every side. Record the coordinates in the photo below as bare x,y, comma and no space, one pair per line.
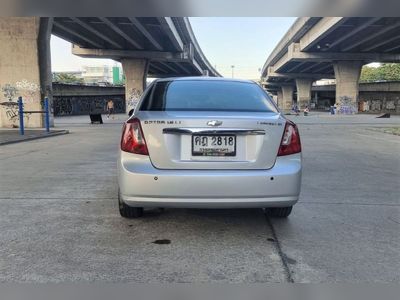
279,212
129,212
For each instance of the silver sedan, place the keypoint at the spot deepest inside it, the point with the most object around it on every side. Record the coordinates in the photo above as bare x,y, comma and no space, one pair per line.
208,143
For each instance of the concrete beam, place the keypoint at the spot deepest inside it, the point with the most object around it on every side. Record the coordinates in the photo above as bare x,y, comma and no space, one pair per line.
311,66
385,42
314,76
77,34
163,72
351,33
169,67
323,67
135,71
146,33
298,66
370,37
319,31
117,54
119,31
294,54
197,66
183,68
285,59
169,27
100,34
392,48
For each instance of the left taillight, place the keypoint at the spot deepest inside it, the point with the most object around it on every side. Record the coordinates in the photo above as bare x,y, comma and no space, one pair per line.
132,139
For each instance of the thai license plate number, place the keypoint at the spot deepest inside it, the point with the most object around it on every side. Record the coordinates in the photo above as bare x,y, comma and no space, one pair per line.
213,145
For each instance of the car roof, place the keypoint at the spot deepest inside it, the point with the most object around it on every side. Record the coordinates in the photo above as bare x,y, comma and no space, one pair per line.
204,78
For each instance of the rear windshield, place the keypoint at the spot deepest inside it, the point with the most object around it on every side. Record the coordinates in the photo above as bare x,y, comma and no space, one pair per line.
203,95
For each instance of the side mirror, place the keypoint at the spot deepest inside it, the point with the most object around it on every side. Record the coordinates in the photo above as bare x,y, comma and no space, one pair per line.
130,113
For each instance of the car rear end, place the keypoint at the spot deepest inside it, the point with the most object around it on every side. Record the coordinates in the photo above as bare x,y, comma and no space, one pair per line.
208,143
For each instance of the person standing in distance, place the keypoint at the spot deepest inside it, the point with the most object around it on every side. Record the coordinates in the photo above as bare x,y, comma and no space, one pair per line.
110,109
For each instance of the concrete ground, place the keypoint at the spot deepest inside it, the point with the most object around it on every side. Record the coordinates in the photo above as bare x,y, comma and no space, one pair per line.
59,219
10,136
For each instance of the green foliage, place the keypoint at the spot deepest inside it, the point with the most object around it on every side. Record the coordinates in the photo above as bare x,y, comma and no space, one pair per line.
385,72
67,78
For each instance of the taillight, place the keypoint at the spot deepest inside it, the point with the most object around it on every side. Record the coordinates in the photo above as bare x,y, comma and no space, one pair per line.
132,139
290,143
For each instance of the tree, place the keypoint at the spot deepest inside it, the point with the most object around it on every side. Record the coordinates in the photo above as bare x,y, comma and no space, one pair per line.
385,72
67,78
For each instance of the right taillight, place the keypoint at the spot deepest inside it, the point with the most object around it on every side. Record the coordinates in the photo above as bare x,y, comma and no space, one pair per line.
132,139
290,143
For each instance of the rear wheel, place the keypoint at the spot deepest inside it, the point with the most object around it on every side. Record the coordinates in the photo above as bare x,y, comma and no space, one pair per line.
279,212
129,212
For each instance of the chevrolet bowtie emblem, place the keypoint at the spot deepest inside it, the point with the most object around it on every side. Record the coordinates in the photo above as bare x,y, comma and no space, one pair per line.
214,123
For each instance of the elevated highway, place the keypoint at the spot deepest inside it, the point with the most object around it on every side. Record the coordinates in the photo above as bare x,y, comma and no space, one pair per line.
167,43
151,46
329,47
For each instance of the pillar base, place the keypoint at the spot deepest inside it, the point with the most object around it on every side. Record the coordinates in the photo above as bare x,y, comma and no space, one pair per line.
287,98
303,92
347,75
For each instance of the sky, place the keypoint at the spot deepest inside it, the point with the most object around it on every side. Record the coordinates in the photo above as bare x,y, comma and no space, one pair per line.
244,43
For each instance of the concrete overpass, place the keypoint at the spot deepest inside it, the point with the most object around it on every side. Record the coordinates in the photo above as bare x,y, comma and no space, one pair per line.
157,47
329,47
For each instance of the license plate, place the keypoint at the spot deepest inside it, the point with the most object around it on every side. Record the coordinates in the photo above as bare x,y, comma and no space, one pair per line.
213,145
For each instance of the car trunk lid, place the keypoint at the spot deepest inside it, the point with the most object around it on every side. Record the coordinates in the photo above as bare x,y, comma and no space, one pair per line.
199,140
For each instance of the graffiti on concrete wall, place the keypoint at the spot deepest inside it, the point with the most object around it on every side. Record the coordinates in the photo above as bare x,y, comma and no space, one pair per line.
10,92
62,107
9,103
133,98
390,105
25,89
376,105
82,105
28,91
380,105
346,106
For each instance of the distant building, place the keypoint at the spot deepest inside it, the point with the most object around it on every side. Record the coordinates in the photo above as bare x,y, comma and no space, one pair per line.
97,74
325,82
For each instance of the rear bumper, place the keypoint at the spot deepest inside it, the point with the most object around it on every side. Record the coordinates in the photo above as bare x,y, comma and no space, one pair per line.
142,185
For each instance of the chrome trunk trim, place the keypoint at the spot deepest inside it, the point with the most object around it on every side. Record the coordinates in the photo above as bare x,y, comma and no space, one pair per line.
236,131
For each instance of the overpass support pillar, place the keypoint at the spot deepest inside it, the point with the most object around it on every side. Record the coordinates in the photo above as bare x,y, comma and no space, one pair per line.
287,95
279,97
25,69
303,92
135,71
347,74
